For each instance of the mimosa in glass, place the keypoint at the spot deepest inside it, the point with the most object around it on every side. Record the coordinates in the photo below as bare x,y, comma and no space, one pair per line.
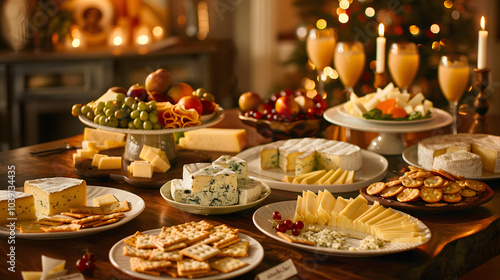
320,46
453,76
349,61
403,64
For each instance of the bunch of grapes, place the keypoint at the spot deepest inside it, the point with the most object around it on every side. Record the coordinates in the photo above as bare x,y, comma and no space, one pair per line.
285,225
86,263
123,112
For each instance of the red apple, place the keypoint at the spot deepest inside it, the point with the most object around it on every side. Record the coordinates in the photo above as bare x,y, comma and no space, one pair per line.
304,103
208,106
179,90
138,91
159,80
192,102
158,96
287,105
248,101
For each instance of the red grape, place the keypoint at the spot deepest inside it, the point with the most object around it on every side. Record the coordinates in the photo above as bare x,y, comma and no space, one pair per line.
80,264
295,231
299,224
288,224
281,228
276,215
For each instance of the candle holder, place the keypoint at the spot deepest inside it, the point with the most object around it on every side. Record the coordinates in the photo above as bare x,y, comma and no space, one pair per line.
481,104
380,80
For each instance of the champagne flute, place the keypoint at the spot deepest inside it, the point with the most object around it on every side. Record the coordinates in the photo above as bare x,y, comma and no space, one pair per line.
320,45
403,63
349,61
453,76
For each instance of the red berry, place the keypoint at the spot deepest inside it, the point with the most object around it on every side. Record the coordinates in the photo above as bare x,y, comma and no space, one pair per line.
275,97
317,98
80,264
299,224
288,224
257,115
287,92
295,231
276,215
281,228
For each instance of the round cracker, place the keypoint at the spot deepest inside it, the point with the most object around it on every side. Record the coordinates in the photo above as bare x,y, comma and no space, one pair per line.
452,197
434,182
393,183
408,194
443,173
391,191
467,192
452,188
411,183
431,195
475,185
375,188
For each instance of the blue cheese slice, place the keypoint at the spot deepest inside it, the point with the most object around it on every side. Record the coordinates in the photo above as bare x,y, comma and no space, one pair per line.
239,166
249,190
57,194
22,203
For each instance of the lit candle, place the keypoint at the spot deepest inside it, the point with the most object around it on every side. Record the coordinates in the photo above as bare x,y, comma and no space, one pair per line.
380,65
142,36
482,46
118,37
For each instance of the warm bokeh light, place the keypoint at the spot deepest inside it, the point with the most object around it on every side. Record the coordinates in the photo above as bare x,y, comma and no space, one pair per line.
340,11
436,46
334,75
344,4
343,18
448,4
203,21
435,28
321,23
381,30
328,70
370,12
455,15
301,32
414,30
157,31
117,41
75,43
309,84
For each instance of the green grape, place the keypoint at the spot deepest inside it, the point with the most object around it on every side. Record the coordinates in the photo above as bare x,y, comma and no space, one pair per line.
123,123
199,92
154,112
208,96
153,118
90,115
109,112
142,106
138,123
147,125
131,125
120,114
97,111
118,104
100,105
129,99
85,109
144,116
120,97
135,114
97,118
112,122
151,105
156,126
76,110
102,120
109,104
134,106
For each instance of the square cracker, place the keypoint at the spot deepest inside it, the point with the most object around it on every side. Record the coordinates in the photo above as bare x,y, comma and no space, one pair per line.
61,228
87,219
228,264
159,255
295,239
200,252
168,240
140,265
59,218
106,222
236,250
132,240
29,227
116,207
144,241
138,253
190,266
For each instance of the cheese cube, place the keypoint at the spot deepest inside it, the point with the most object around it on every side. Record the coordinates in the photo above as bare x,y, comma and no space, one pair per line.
239,166
57,194
77,158
24,206
104,200
148,152
160,164
214,139
89,145
110,163
156,157
249,190
86,154
97,158
141,169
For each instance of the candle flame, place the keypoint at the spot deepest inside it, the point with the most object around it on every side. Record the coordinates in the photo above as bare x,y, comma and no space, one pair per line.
381,30
483,23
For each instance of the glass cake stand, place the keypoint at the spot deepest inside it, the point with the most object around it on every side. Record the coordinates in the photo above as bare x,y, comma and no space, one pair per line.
387,142
160,138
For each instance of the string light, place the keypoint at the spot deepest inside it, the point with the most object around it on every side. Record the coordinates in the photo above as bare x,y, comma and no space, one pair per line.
369,12
448,4
414,30
343,18
344,4
435,28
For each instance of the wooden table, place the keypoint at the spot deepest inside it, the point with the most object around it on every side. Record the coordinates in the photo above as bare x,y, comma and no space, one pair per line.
461,241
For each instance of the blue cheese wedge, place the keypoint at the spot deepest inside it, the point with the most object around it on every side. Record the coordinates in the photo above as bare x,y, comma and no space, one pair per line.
249,190
239,166
57,194
23,206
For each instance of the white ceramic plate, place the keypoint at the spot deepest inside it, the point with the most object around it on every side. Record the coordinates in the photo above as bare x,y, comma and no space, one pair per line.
262,216
374,169
410,156
343,112
206,122
211,210
136,207
121,262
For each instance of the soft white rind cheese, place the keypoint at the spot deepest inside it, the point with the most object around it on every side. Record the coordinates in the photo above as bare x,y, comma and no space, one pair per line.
460,163
239,166
249,190
22,203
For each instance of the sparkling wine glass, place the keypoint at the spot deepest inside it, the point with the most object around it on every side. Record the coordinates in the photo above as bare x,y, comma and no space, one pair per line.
403,63
349,60
320,46
453,76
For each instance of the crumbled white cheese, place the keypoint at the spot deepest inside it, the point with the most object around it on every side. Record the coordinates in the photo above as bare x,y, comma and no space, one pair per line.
326,238
369,243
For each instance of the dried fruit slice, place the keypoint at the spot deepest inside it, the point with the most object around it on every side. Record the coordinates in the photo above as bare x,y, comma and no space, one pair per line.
391,191
408,194
433,182
431,195
375,188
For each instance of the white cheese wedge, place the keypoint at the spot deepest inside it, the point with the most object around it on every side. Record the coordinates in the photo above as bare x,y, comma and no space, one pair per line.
249,190
239,166
488,148
24,206
298,210
460,163
57,194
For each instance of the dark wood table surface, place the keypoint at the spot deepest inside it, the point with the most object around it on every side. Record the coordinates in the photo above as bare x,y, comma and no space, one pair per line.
461,240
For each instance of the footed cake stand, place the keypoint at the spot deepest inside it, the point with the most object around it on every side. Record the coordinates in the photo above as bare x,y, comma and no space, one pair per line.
160,138
387,142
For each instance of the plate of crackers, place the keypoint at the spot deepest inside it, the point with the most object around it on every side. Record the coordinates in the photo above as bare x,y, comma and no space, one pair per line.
202,249
84,220
418,189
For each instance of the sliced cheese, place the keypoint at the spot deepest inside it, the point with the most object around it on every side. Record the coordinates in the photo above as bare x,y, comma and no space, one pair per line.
214,139
141,169
97,158
100,136
104,200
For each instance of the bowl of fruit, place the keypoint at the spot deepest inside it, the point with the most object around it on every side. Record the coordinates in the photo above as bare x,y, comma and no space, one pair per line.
284,115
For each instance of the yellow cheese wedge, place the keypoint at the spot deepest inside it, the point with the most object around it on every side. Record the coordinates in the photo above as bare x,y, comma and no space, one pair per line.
342,178
77,158
101,136
350,177
335,176
325,207
300,178
214,139
97,158
304,205
86,154
297,216
104,200
89,145
325,177
160,164
310,208
110,163
148,152
288,179
313,178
